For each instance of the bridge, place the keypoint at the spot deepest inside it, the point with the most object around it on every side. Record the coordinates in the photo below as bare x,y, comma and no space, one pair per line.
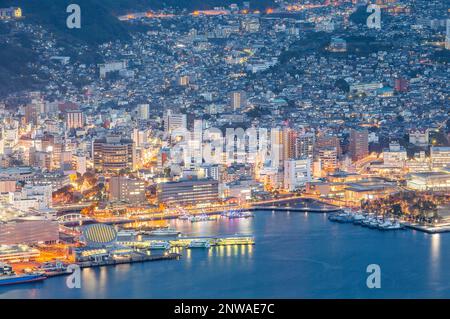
73,218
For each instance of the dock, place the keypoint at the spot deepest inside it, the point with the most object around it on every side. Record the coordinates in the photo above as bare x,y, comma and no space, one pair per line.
186,241
129,260
298,209
428,229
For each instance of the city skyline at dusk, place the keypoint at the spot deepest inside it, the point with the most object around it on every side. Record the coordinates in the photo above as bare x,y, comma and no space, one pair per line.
224,149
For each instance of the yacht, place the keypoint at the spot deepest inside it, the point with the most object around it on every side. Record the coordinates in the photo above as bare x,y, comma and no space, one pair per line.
358,219
389,225
343,217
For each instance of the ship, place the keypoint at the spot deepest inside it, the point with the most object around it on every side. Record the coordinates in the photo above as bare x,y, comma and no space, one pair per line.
159,245
184,217
9,277
237,214
163,232
199,243
200,218
127,233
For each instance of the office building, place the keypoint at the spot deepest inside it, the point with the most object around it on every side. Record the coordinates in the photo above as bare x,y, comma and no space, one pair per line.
126,189
440,157
297,172
113,153
74,119
359,144
238,100
188,192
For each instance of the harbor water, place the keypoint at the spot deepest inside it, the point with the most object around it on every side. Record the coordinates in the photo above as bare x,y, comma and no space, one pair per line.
296,255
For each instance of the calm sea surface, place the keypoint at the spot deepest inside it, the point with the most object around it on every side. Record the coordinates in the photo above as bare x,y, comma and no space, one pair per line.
296,255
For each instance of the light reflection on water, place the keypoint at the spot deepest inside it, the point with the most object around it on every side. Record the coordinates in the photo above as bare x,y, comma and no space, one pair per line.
295,255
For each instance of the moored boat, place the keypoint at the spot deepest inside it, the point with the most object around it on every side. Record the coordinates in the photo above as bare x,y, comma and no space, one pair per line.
199,243
200,218
9,277
163,232
159,245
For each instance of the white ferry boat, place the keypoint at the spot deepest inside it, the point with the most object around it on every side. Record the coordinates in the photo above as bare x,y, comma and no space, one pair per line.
199,243
163,232
200,218
159,245
127,233
238,214
184,217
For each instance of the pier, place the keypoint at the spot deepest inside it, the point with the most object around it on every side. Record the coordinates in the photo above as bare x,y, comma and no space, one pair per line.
428,229
302,205
186,241
129,260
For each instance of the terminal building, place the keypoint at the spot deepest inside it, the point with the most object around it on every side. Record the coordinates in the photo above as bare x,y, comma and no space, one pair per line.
430,181
100,244
29,231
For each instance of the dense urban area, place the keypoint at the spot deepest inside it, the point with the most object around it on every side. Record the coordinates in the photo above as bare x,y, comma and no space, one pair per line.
215,112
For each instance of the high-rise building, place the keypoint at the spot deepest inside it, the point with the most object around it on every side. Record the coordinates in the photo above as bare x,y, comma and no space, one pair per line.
359,144
188,192
126,189
143,111
113,153
79,163
327,141
289,143
305,145
238,100
401,85
174,121
31,113
297,172
447,35
328,159
276,147
74,119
